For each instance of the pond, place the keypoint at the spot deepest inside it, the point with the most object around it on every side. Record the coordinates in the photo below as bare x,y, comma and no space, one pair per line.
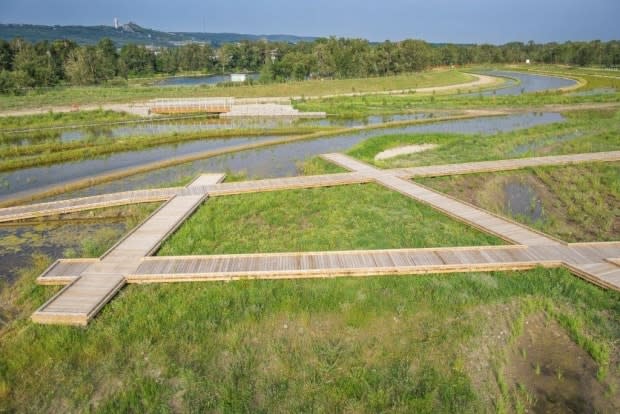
201,123
521,200
200,80
20,241
526,83
32,178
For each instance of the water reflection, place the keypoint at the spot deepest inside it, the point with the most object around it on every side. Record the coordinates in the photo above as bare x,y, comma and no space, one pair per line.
526,83
283,160
201,80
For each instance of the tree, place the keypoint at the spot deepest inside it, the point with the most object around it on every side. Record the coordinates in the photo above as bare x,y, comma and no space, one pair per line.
325,65
448,55
7,81
106,59
81,66
136,60
167,61
33,65
414,55
294,65
59,51
6,55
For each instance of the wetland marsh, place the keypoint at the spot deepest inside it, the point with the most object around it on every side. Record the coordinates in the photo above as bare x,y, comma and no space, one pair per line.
468,342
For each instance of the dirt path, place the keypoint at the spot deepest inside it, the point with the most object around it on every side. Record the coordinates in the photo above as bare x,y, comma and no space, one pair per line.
141,108
481,81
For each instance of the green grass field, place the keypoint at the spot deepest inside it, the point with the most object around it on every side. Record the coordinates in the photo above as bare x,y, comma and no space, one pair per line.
334,218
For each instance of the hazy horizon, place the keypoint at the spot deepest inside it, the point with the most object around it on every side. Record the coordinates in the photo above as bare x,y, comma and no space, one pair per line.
441,21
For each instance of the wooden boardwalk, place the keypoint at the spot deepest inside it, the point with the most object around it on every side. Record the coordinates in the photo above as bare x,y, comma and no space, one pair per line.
589,260
163,194
506,165
8,214
474,216
99,281
90,283
378,262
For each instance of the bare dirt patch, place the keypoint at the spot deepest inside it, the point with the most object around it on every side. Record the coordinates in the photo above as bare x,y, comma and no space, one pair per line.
407,149
549,373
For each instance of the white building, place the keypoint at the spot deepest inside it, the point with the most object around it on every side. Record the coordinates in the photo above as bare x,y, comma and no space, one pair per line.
238,77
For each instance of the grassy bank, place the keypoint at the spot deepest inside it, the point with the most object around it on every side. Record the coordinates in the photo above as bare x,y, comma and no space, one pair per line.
583,131
51,120
54,152
50,152
577,203
385,105
99,95
595,79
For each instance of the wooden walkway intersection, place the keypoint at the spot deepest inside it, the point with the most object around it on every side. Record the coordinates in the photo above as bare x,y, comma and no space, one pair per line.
91,283
287,183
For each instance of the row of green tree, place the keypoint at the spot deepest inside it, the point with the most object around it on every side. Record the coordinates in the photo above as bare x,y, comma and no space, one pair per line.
25,65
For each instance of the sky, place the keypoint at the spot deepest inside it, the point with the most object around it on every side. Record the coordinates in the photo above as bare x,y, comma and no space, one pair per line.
454,21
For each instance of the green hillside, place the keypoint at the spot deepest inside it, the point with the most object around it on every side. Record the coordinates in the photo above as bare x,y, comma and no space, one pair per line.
129,33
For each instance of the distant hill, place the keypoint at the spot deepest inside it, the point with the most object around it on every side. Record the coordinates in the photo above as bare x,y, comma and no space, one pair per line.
131,33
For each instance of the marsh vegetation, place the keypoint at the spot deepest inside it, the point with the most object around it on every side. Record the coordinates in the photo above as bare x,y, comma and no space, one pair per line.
475,342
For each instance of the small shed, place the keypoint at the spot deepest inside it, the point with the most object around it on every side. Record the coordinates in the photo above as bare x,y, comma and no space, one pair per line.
238,77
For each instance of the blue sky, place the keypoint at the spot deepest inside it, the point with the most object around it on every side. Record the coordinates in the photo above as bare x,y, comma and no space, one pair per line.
459,21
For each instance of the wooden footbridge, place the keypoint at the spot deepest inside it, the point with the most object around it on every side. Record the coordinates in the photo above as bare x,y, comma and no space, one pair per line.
91,283
190,105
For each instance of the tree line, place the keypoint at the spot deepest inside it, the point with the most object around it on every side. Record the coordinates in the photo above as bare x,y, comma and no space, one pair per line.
26,65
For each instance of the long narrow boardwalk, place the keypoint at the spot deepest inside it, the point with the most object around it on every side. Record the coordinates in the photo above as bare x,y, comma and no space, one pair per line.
580,258
99,281
505,165
378,262
163,194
